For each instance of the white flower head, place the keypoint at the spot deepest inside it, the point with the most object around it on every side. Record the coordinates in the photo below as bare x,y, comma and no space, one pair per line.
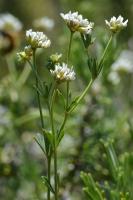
37,39
25,55
44,23
122,66
75,22
63,73
116,24
10,23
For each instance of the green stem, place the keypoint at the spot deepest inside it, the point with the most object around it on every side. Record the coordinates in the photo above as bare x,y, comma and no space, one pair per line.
69,47
63,123
24,76
68,57
41,117
54,146
12,69
38,95
81,96
67,86
105,52
49,175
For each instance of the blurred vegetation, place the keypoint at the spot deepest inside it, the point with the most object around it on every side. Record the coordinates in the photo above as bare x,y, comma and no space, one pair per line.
105,113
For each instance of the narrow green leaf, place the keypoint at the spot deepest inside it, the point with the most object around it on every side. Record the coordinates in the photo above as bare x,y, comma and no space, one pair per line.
91,188
59,138
73,103
40,141
112,158
47,183
49,136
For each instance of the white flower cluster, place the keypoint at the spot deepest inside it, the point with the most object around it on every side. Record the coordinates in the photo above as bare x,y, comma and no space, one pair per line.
37,39
63,73
10,23
75,22
123,65
116,24
44,23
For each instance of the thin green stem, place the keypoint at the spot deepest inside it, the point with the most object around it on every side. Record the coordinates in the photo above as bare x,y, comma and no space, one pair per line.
38,95
41,116
105,52
81,96
68,57
24,76
67,87
54,145
63,123
12,69
49,175
69,47
67,95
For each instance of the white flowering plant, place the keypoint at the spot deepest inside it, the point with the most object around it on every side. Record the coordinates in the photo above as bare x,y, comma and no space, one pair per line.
61,73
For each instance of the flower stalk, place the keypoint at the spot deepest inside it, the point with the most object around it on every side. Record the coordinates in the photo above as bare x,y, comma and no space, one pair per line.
42,120
54,144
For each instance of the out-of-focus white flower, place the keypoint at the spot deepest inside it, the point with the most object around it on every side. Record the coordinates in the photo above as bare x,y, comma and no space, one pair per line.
37,39
123,65
10,23
63,73
114,78
75,22
116,24
25,55
4,42
44,23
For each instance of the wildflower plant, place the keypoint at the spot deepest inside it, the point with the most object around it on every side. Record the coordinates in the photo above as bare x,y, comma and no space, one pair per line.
49,140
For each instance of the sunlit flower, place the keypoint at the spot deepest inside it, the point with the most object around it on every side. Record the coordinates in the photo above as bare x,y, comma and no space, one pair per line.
76,23
37,39
63,73
44,23
116,24
10,23
25,55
